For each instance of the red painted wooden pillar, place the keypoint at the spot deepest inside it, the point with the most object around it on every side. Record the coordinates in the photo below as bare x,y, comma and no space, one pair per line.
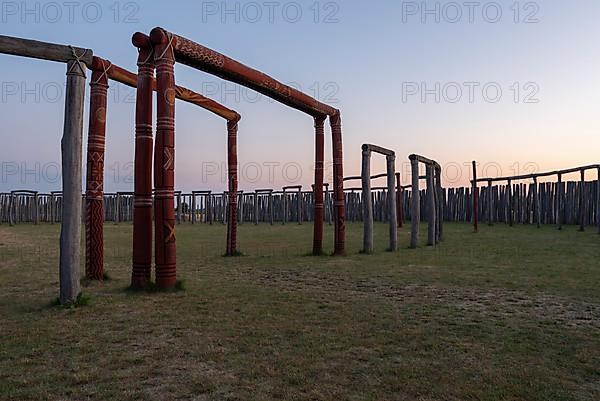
94,192
338,184
164,161
318,187
142,201
232,129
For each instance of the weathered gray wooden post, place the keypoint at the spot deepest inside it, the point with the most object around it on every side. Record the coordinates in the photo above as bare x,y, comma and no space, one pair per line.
598,200
415,204
510,203
582,202
431,209
178,193
299,205
271,211
475,198
489,199
559,202
367,200
255,208
393,213
285,206
440,204
536,202
11,206
71,148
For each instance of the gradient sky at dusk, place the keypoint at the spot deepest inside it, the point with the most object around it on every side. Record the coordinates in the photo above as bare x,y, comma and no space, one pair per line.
363,60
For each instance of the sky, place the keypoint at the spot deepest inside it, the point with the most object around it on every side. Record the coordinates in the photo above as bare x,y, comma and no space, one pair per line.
512,85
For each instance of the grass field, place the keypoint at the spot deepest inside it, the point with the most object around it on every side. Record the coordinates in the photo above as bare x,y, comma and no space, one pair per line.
506,314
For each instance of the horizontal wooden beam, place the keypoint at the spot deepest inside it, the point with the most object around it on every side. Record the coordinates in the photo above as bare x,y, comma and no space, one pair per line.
424,160
202,58
44,50
128,78
358,177
378,149
538,175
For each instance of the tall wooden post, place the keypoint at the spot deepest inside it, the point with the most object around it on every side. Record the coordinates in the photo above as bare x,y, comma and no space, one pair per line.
94,196
318,186
285,207
232,128
142,198
510,203
431,212
582,202
475,197
299,206
399,201
367,201
598,200
415,204
255,208
391,183
71,149
559,201
536,200
164,162
489,199
440,204
338,184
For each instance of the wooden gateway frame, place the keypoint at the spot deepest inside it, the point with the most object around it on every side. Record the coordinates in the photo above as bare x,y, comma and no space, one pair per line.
161,58
76,60
390,157
170,48
435,204
102,72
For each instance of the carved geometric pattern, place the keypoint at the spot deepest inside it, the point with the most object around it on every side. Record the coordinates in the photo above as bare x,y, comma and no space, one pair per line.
170,231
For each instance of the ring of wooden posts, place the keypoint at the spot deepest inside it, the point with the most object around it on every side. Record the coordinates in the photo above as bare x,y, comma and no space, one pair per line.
559,209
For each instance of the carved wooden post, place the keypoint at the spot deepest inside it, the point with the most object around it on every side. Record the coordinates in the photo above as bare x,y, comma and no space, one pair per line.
232,128
94,239
582,202
475,197
71,148
430,206
164,161
391,173
318,186
338,184
367,201
415,204
142,198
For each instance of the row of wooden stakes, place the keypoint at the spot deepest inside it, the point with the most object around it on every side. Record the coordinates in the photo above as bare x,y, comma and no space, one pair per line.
580,205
